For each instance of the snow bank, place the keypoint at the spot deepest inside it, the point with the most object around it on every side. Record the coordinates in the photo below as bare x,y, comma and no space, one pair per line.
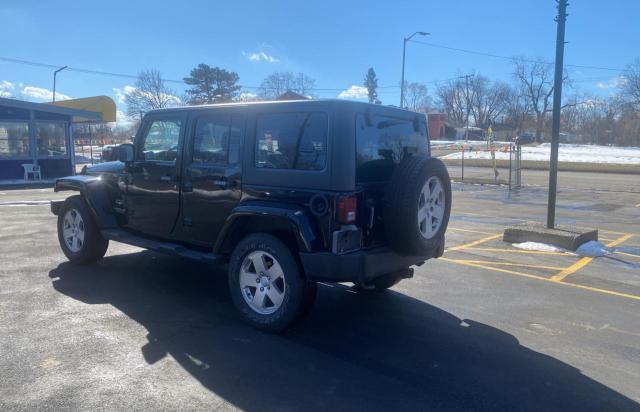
535,246
567,153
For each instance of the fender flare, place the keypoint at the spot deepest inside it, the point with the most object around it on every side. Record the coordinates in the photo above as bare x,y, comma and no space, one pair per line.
94,192
292,216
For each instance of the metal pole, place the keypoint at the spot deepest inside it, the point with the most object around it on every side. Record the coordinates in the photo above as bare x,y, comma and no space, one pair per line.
55,73
557,101
462,179
404,52
510,152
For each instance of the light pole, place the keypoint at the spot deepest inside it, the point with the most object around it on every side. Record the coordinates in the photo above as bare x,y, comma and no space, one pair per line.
404,49
555,122
54,81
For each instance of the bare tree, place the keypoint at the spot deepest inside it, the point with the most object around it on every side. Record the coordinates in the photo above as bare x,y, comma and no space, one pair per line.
416,97
536,79
488,100
452,96
631,84
278,83
518,109
150,92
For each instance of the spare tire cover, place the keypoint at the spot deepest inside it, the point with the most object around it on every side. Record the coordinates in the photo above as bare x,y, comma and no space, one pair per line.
417,205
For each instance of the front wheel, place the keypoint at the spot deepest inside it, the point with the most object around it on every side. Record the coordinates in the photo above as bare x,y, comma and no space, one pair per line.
266,284
78,234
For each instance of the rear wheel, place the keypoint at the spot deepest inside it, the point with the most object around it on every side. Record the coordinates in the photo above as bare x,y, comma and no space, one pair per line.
78,234
266,284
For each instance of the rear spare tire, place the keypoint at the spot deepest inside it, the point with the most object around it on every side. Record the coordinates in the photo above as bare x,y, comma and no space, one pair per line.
417,205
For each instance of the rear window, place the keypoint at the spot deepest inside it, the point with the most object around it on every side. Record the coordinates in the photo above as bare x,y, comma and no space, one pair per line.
292,141
383,141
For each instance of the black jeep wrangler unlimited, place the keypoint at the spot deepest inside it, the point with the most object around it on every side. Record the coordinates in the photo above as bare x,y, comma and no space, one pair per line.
285,193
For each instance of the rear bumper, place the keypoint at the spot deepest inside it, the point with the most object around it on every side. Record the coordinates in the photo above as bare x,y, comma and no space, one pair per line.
359,266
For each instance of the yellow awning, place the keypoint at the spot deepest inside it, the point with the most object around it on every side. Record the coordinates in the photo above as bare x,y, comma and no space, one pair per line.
101,104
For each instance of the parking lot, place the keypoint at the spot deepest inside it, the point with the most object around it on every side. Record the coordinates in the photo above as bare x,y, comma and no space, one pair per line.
488,326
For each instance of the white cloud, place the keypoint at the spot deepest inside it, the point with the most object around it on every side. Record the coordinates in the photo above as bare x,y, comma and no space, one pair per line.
122,93
121,96
6,88
39,93
354,92
613,83
260,56
248,97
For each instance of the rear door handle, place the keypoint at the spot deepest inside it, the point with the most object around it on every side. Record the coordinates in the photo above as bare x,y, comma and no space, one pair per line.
221,182
167,179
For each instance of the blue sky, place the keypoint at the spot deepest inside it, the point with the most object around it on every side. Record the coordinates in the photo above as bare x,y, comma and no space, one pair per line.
335,42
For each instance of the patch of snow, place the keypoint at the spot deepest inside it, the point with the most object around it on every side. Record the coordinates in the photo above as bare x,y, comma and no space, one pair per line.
535,246
593,248
567,153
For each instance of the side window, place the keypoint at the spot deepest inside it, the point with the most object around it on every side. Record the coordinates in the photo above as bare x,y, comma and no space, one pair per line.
292,141
211,141
161,140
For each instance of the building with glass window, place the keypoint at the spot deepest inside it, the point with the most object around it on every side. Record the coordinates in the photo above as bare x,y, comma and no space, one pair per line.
38,133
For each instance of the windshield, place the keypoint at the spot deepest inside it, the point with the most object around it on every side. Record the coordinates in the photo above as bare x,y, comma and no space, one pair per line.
383,141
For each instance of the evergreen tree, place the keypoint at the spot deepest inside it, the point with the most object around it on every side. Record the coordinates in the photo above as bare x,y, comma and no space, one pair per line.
211,85
371,83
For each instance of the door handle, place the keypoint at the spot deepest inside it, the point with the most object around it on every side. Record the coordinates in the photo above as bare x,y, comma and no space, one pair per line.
221,182
167,179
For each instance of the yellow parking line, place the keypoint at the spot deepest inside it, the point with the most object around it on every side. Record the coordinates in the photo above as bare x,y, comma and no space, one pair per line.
475,242
477,265
571,269
542,278
495,217
613,231
585,261
532,252
620,240
490,262
469,230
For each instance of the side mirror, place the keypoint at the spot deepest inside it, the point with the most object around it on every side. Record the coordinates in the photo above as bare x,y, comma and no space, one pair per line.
125,152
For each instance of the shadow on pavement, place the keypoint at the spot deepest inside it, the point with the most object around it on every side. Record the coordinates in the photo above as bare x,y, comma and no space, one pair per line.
355,352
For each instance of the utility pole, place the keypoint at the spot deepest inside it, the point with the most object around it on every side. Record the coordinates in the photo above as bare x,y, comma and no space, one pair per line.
55,73
466,95
557,102
404,49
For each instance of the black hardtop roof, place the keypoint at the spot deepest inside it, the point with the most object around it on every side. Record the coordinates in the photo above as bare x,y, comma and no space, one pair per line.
290,104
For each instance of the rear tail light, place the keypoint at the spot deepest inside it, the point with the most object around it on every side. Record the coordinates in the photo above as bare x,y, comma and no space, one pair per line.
347,209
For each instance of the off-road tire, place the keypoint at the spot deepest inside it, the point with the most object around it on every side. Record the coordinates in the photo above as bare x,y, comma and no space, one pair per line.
94,245
299,293
401,205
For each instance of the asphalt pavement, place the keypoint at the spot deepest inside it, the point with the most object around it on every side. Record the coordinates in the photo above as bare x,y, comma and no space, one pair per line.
488,327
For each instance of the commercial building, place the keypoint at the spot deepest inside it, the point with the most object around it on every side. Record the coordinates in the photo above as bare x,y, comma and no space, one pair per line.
38,134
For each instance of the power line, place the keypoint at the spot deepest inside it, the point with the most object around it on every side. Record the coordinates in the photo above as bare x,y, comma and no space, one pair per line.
498,56
131,76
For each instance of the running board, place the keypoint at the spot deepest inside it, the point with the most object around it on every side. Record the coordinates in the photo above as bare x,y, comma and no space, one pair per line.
168,248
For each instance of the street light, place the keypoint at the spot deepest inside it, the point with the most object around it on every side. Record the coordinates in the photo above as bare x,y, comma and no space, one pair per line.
54,81
404,49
